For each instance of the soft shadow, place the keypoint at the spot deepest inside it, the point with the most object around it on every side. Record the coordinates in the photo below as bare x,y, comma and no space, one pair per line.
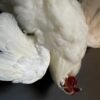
4,86
88,49
0,11
42,86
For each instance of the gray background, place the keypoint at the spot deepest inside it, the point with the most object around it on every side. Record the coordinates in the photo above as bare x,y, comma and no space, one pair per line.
45,89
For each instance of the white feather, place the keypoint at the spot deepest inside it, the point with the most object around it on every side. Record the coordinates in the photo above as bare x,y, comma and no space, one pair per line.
67,39
61,27
20,59
92,13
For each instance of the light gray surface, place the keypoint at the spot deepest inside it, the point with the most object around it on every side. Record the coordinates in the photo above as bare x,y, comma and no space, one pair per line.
45,89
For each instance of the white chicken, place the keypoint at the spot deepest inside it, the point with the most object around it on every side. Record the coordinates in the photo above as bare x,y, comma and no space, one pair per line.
67,41
21,60
61,27
92,13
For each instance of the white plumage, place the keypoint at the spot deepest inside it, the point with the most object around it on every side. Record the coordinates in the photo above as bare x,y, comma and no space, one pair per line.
60,26
20,59
92,13
67,38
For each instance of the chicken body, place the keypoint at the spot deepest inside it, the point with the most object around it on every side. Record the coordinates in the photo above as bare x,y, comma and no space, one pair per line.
66,38
92,13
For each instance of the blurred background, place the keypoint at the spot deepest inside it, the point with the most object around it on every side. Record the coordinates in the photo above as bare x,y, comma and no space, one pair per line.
45,89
